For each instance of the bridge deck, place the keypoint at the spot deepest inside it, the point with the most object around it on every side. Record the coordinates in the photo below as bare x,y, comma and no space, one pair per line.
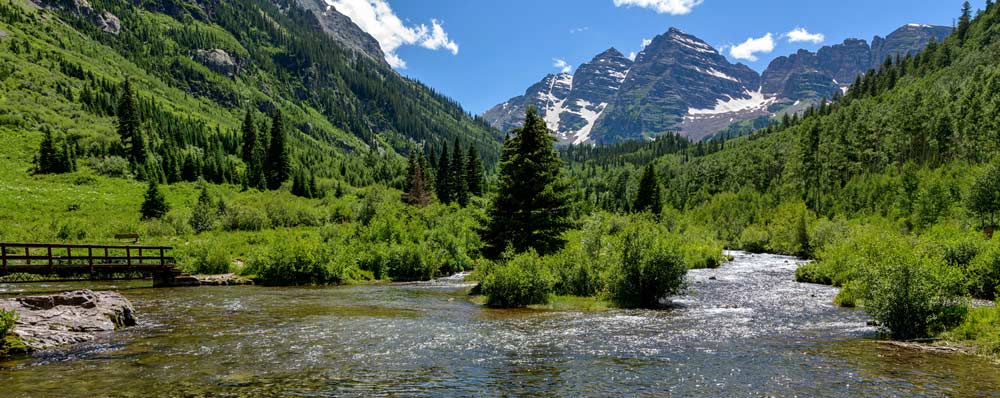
72,259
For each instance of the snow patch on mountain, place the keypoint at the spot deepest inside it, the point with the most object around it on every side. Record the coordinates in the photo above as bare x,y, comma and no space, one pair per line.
589,113
755,100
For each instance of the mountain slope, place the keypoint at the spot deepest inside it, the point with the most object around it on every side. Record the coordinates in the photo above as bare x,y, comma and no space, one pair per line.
205,63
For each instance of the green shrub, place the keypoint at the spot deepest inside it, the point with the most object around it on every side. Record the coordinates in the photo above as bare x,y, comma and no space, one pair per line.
409,262
577,273
520,281
290,262
111,166
754,239
7,321
649,268
207,258
981,326
244,218
983,273
906,294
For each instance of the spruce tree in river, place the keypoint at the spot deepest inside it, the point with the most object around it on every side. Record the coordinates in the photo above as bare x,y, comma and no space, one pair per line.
531,209
130,127
474,172
648,198
278,165
459,181
443,177
155,205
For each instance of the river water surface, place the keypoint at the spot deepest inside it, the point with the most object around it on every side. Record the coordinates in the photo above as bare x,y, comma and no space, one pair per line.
745,329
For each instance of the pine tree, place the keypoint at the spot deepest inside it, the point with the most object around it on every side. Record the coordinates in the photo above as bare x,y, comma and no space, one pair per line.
301,185
417,189
277,167
129,126
249,138
648,197
459,181
474,172
443,177
155,205
203,216
531,209
964,22
46,154
313,190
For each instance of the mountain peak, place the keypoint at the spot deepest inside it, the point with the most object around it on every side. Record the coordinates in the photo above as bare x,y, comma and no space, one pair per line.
610,53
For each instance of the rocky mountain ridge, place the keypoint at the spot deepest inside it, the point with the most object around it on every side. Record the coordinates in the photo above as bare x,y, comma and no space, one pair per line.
679,83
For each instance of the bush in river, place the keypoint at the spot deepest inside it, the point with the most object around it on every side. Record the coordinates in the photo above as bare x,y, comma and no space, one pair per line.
290,262
649,268
518,281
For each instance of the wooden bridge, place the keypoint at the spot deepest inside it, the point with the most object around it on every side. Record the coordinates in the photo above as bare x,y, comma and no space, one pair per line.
92,261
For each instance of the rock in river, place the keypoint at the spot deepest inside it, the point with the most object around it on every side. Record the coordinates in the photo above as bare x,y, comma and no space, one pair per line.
73,317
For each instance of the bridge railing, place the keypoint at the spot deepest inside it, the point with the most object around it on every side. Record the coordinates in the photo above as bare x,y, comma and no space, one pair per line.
50,258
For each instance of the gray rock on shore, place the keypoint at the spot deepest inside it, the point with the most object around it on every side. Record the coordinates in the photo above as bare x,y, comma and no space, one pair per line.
46,322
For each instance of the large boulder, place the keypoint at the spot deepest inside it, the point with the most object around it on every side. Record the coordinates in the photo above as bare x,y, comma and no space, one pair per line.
46,322
217,60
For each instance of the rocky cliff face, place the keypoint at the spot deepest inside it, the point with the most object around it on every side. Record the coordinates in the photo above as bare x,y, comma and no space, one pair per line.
908,39
341,28
679,83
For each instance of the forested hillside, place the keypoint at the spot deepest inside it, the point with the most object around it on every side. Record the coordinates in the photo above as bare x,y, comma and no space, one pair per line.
197,67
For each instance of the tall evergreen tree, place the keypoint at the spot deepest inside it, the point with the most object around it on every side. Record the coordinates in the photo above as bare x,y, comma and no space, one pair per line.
648,198
277,167
130,126
47,156
417,188
204,214
250,140
531,210
443,177
154,206
964,21
474,172
459,181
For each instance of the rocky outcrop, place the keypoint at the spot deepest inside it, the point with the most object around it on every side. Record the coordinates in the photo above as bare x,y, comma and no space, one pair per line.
108,22
340,27
46,322
907,40
104,20
3,35
217,60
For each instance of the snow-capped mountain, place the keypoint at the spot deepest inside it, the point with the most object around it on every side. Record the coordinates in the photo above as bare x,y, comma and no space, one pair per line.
679,83
570,104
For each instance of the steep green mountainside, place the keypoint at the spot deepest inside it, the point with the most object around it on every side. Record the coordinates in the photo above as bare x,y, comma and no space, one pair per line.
198,66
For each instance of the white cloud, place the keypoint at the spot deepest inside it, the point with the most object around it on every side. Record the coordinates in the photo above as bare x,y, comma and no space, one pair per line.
562,65
631,55
672,7
646,42
748,49
803,35
579,30
377,18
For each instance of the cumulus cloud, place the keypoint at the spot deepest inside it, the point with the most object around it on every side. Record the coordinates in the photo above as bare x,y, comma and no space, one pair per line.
672,7
631,55
803,35
579,30
377,18
749,48
646,42
562,65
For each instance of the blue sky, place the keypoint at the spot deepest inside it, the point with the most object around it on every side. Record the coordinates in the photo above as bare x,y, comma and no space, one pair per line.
482,52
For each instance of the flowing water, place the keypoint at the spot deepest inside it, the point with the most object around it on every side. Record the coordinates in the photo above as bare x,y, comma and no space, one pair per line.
745,329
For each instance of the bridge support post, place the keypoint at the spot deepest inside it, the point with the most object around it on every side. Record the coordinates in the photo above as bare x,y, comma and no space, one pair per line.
174,279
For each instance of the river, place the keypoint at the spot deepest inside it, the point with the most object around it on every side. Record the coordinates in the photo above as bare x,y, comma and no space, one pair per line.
745,329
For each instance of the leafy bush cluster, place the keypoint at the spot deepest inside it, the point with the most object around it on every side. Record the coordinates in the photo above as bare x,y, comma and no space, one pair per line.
7,321
633,261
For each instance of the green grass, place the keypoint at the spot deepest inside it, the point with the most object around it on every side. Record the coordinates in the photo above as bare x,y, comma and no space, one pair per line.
980,328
